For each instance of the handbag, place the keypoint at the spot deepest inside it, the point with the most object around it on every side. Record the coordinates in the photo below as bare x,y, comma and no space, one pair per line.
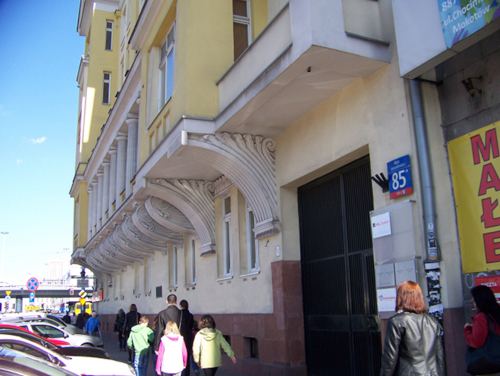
486,359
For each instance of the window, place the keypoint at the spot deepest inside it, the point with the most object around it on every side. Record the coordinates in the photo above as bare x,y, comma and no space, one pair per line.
166,84
192,261
106,88
173,268
252,243
47,331
241,26
109,35
226,237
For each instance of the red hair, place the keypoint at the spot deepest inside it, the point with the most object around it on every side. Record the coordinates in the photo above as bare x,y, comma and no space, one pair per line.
410,298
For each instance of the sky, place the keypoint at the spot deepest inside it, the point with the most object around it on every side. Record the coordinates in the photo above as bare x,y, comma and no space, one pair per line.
40,53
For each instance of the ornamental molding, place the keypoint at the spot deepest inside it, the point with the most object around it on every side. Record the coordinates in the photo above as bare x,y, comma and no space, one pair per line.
111,247
194,198
130,247
168,215
247,161
151,228
139,238
221,185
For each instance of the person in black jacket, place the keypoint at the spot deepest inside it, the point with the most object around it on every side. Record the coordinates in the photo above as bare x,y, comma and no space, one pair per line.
119,321
414,339
172,313
131,319
186,329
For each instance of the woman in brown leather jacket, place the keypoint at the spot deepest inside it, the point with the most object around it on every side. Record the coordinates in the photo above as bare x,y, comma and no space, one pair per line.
414,339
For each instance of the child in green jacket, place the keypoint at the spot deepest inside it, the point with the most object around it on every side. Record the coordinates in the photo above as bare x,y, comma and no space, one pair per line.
140,339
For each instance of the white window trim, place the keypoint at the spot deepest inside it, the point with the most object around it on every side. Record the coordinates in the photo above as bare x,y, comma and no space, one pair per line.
174,268
226,240
163,98
104,82
192,260
249,229
110,30
245,21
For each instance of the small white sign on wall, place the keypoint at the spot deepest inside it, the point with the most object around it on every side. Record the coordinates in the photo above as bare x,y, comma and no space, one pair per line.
386,299
381,225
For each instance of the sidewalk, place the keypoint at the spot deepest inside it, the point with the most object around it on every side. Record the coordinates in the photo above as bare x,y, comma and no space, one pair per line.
111,346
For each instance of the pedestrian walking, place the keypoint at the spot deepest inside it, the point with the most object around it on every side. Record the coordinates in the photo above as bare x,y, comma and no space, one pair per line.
93,325
483,353
140,339
73,319
172,352
192,364
186,330
67,318
80,322
207,347
132,318
154,357
171,313
414,339
119,321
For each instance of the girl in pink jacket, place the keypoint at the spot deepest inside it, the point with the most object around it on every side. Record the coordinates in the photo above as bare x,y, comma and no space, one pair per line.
172,353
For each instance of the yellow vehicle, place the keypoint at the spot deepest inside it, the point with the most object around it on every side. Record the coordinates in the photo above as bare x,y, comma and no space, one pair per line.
88,308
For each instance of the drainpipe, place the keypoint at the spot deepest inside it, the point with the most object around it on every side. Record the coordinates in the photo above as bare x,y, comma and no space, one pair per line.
432,265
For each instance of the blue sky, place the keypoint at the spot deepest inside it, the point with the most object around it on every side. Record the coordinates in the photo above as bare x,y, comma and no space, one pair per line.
40,52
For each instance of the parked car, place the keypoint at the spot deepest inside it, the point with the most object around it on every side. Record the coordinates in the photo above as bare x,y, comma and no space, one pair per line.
57,342
42,318
50,331
94,352
80,365
14,363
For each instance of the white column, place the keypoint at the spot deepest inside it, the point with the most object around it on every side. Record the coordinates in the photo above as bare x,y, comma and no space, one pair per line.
112,179
121,158
94,206
89,212
105,190
131,152
99,197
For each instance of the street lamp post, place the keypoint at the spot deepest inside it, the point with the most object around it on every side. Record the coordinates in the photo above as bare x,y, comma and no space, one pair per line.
3,252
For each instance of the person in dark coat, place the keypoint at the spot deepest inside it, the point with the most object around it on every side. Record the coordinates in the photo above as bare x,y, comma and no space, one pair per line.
80,322
186,329
67,318
414,339
131,319
119,321
171,313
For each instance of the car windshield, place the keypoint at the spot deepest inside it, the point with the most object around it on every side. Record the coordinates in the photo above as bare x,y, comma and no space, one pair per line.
32,362
47,331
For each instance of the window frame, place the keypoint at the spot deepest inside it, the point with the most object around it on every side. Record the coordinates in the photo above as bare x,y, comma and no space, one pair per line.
106,88
227,255
247,21
166,68
108,41
252,242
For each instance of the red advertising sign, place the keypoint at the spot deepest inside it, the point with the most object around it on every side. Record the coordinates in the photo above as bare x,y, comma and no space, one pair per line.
493,282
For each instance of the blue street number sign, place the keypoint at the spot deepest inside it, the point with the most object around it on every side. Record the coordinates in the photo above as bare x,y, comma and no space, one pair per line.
32,297
400,183
32,284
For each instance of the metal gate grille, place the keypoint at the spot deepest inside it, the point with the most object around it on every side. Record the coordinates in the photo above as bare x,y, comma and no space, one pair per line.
338,277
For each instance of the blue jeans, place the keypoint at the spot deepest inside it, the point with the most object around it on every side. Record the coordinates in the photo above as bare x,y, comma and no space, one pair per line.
141,364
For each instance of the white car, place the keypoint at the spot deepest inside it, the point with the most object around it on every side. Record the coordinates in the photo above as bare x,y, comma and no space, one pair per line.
51,331
80,365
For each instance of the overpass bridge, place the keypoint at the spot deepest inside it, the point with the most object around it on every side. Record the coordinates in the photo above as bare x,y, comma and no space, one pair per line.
43,292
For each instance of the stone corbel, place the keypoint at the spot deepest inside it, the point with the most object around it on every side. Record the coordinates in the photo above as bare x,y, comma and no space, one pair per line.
194,198
152,229
248,162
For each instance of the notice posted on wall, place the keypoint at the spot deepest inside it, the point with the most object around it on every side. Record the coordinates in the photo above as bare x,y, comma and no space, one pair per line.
381,225
386,299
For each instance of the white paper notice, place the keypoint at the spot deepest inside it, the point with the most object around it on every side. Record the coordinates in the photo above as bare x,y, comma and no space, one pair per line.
381,225
405,271
385,275
386,299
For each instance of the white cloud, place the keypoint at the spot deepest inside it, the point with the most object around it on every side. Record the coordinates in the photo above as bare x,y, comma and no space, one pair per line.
37,140
19,161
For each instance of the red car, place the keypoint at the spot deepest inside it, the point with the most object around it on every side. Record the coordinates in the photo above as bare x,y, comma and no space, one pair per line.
56,342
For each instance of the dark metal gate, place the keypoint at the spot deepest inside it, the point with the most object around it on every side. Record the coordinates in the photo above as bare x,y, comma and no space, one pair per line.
338,274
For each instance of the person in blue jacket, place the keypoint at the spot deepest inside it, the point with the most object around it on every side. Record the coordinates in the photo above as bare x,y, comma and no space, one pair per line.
93,325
